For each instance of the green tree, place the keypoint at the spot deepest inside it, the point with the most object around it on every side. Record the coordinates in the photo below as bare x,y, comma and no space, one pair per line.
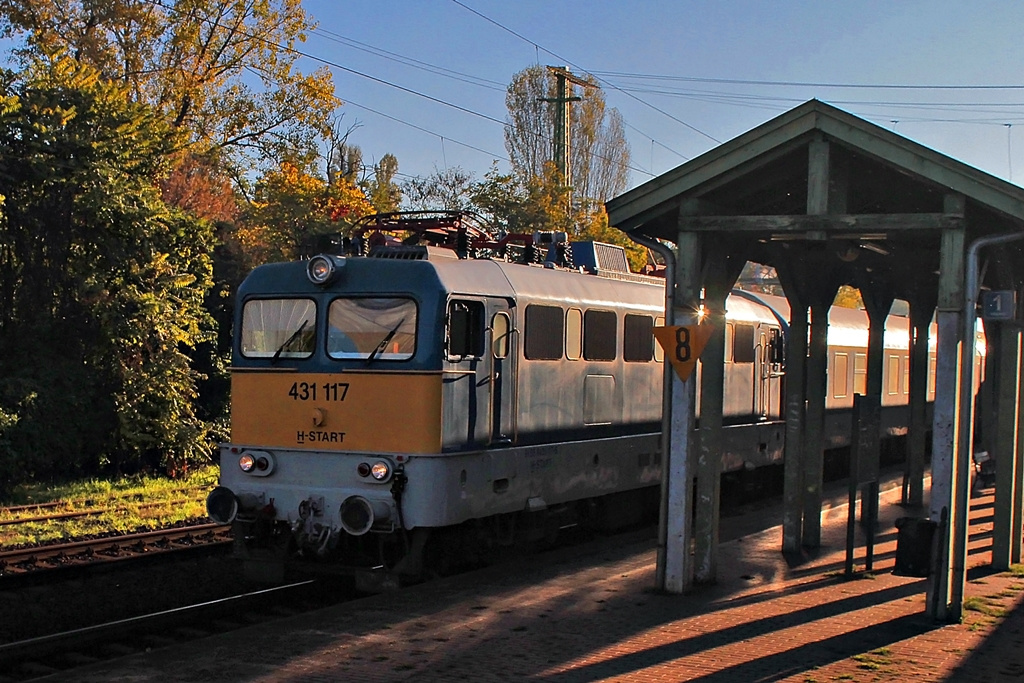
522,205
382,190
450,189
599,154
103,283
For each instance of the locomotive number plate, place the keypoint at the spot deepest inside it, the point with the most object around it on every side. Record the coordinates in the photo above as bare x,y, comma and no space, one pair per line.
311,391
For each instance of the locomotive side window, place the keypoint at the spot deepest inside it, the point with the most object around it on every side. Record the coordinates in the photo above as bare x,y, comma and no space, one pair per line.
638,338
372,328
465,328
599,335
574,334
500,335
278,328
743,344
543,334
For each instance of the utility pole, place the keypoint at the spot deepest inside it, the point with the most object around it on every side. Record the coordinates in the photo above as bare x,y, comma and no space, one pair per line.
563,79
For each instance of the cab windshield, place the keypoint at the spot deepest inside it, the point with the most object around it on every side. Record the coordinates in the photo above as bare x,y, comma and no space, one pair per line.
372,328
278,328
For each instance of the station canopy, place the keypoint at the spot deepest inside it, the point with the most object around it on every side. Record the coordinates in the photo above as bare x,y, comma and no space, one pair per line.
818,188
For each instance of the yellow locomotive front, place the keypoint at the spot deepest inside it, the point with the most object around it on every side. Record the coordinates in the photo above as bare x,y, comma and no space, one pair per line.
333,390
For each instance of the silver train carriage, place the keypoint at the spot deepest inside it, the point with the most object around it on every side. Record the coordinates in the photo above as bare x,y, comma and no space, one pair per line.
379,398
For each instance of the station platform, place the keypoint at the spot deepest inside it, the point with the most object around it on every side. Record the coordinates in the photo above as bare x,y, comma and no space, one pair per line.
591,613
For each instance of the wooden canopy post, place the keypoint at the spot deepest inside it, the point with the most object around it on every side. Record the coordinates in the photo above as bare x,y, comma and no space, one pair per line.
922,307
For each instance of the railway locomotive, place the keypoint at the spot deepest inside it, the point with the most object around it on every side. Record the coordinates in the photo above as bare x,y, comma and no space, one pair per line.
423,390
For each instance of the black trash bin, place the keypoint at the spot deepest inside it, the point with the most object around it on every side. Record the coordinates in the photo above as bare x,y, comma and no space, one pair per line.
914,546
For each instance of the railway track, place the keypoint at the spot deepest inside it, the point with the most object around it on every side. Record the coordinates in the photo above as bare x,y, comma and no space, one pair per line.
61,652
34,561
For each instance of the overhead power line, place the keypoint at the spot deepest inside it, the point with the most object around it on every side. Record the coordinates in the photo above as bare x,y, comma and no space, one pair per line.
805,84
577,66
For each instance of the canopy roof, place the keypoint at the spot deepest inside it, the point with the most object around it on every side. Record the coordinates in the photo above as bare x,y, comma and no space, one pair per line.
819,180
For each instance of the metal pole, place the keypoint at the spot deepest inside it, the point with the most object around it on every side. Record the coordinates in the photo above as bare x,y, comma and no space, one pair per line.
666,401
966,416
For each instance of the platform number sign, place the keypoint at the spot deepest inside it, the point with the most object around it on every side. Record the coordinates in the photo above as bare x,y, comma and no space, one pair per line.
999,305
683,345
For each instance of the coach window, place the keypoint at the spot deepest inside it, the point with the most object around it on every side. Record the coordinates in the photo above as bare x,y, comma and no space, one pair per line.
659,353
599,335
893,379
638,338
500,335
743,344
860,374
574,334
278,328
372,328
544,332
465,328
841,375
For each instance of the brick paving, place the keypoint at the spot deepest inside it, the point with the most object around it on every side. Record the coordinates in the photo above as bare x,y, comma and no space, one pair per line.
591,614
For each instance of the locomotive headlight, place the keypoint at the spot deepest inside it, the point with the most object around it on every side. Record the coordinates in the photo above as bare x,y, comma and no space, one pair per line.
256,463
380,471
324,268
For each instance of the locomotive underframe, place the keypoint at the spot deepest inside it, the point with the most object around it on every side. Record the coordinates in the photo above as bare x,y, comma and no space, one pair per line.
467,503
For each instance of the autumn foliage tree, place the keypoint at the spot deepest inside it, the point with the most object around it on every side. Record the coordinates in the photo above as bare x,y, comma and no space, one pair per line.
221,71
292,206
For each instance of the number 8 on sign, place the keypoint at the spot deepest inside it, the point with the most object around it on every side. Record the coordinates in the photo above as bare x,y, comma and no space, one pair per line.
683,345
683,353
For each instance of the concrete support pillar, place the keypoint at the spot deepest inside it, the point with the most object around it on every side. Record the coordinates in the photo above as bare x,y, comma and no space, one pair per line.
1006,375
720,274
675,563
1017,505
709,453
946,405
878,301
793,469
814,433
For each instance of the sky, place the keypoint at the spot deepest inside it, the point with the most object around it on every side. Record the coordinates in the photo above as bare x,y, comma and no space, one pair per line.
425,80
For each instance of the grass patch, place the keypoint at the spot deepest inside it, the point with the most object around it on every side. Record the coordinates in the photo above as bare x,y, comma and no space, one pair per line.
122,506
874,660
985,606
1017,570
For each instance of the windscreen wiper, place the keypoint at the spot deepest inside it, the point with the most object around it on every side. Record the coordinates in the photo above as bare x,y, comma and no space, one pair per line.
384,342
288,341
